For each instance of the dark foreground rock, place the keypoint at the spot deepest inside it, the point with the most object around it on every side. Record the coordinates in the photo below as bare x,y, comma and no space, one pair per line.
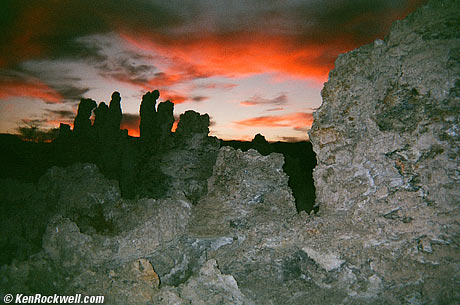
166,249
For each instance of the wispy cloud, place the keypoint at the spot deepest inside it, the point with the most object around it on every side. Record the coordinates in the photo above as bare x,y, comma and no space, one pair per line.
63,114
279,100
298,121
22,85
199,98
275,109
216,86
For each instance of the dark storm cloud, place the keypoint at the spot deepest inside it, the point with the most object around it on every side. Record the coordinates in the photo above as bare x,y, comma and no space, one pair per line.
270,35
358,20
47,29
125,70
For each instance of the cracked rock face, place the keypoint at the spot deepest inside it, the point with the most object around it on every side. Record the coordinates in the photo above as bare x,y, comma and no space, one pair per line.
387,137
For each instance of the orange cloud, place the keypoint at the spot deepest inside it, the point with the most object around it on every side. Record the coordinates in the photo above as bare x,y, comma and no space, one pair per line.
33,89
239,54
298,121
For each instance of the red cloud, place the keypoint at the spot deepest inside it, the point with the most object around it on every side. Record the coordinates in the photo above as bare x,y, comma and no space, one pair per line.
34,89
238,54
297,120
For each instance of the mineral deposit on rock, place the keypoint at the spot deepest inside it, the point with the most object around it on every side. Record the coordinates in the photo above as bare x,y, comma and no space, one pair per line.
387,137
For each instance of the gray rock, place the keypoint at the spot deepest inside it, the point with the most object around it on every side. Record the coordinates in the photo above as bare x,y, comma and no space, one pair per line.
189,164
191,122
211,287
387,179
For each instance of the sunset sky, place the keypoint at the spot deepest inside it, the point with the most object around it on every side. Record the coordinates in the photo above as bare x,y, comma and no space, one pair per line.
254,66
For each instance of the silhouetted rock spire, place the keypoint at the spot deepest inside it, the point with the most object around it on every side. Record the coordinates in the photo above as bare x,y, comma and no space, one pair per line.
82,123
192,122
148,114
114,114
165,119
100,119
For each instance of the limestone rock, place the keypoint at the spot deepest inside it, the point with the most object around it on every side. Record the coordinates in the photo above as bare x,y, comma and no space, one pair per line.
82,122
114,115
211,287
192,122
165,119
387,229
243,186
81,193
387,142
100,119
148,114
189,164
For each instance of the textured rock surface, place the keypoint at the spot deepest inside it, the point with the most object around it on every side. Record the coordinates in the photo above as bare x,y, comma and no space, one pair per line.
387,139
189,164
191,122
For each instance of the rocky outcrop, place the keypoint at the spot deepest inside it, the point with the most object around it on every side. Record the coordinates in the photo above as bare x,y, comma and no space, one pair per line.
148,114
165,119
114,116
387,140
100,119
191,122
82,123
146,242
156,122
188,165
261,144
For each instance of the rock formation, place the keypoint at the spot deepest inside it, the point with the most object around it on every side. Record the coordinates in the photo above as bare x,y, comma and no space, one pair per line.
261,144
114,115
387,139
148,115
100,119
82,123
64,131
107,245
192,122
155,126
165,117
